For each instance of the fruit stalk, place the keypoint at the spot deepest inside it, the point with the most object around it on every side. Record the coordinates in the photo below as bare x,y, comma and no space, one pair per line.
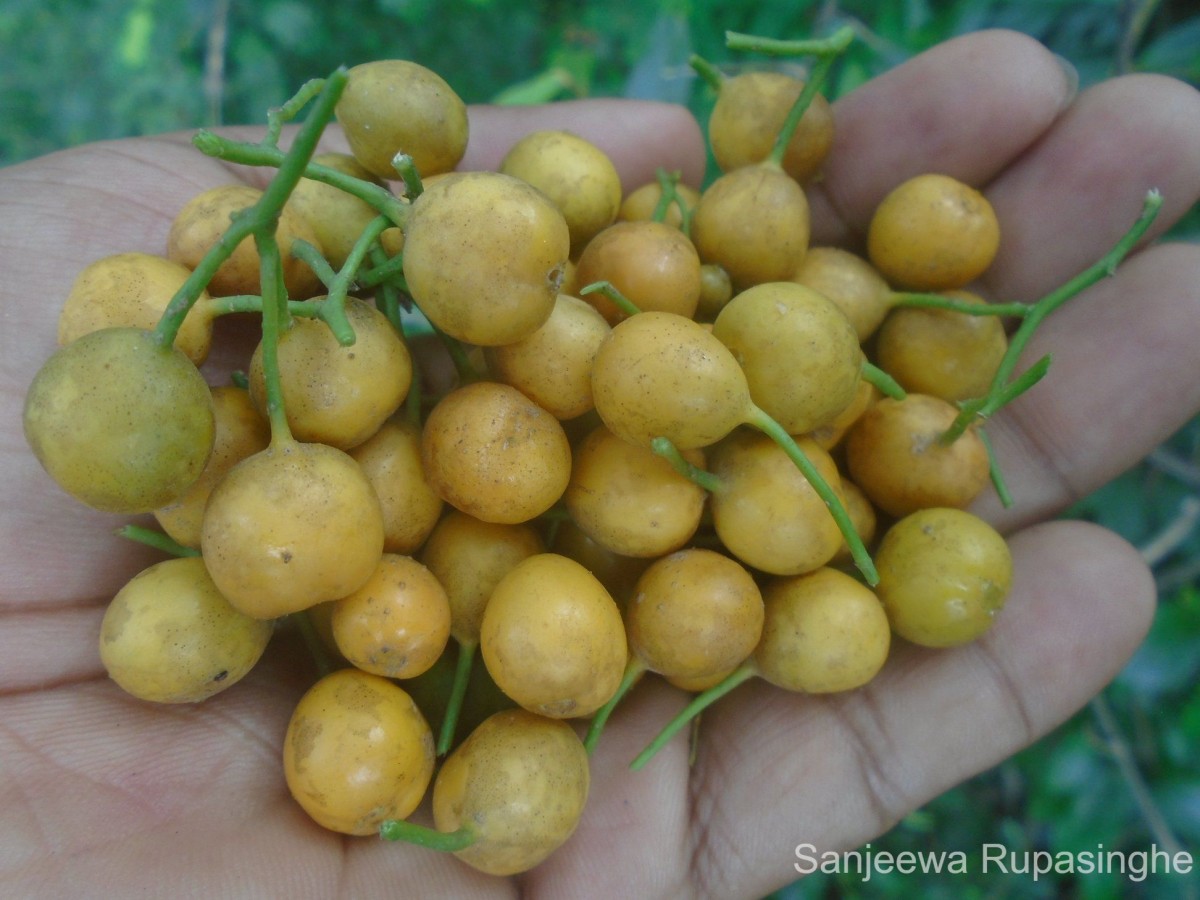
698,704
261,217
458,691
999,392
858,550
448,841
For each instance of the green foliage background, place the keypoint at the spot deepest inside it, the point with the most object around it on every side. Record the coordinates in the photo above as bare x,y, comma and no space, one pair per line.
1122,773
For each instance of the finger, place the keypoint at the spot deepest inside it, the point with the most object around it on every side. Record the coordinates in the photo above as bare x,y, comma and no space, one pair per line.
776,769
638,135
1069,199
965,108
1124,376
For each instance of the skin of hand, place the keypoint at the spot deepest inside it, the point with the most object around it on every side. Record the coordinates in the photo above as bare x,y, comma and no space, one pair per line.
97,788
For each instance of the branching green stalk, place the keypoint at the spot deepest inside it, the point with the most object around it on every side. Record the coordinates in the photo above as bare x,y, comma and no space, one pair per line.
827,50
1000,391
858,551
430,838
982,408
693,473
699,703
610,291
887,385
314,259
668,183
820,47
388,296
250,154
334,303
156,539
389,269
301,309
262,217
280,115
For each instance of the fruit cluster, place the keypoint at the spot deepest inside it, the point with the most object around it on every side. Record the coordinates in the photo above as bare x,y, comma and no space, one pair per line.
587,434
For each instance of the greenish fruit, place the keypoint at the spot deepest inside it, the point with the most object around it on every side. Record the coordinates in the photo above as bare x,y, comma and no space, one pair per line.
119,421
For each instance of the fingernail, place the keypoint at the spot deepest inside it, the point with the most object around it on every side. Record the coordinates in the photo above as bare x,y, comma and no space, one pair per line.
1070,79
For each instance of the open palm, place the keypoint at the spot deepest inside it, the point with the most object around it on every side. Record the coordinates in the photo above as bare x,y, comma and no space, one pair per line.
101,794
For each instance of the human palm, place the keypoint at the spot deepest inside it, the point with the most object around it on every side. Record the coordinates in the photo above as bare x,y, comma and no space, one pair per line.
101,794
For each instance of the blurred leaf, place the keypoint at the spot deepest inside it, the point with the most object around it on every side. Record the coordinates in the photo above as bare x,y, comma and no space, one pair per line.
1169,658
1176,51
1178,798
290,24
411,11
541,88
662,73
134,43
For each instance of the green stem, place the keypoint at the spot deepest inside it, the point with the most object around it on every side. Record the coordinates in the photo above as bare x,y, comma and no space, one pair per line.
826,50
668,183
403,163
634,670
607,288
412,401
699,703
458,355
334,304
994,471
940,301
247,303
261,217
387,297
887,385
273,322
313,258
858,551
982,408
277,117
156,539
249,154
458,691
1103,267
301,309
422,836
391,268
816,78
822,47
702,477
711,74
316,647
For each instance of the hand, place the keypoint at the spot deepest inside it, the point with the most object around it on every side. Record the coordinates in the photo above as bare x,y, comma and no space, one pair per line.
99,789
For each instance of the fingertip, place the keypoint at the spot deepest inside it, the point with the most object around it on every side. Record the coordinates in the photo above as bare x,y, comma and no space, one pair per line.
966,108
1083,600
